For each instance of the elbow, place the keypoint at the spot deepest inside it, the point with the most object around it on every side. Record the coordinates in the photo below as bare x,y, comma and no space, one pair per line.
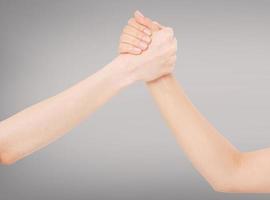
7,158
230,188
225,188
227,185
231,185
8,154
230,181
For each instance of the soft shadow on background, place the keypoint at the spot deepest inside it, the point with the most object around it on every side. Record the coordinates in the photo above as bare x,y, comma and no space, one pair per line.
125,151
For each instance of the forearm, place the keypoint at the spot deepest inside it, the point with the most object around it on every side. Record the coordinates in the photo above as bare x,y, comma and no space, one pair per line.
225,168
46,121
214,157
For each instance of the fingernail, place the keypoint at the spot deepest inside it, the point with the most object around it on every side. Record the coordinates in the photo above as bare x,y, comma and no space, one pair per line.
147,31
139,13
137,50
142,45
146,38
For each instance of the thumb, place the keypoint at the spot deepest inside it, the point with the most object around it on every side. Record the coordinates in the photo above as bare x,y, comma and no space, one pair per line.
146,21
158,25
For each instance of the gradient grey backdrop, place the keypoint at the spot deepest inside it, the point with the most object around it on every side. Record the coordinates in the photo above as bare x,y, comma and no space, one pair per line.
125,151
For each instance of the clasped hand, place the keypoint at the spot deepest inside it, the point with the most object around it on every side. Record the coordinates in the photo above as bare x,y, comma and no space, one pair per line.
149,48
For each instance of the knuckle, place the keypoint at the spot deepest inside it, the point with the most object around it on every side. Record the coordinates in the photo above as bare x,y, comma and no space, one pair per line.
138,34
120,49
122,37
130,47
131,21
140,27
126,29
120,45
134,41
169,32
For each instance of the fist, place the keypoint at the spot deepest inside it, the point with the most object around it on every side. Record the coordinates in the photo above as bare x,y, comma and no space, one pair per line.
135,38
159,58
154,46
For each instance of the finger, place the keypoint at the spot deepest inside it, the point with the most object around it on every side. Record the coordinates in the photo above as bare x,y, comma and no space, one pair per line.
147,22
132,22
168,31
128,48
134,41
137,34
158,24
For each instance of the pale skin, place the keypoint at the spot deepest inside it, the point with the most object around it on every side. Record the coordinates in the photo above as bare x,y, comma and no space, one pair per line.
44,122
225,167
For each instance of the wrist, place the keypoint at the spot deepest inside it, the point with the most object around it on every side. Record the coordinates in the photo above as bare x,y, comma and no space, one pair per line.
121,71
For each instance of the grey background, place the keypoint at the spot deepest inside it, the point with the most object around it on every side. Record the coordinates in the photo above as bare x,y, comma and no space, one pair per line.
125,151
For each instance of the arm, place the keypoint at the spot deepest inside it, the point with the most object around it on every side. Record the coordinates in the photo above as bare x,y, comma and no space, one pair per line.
224,167
40,124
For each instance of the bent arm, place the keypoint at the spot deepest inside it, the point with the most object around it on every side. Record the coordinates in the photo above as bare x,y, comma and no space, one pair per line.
40,124
223,166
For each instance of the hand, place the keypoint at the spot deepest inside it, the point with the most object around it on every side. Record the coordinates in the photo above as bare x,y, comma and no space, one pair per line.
155,59
136,36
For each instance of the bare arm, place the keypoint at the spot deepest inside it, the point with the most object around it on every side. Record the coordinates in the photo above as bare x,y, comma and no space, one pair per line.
224,167
40,124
